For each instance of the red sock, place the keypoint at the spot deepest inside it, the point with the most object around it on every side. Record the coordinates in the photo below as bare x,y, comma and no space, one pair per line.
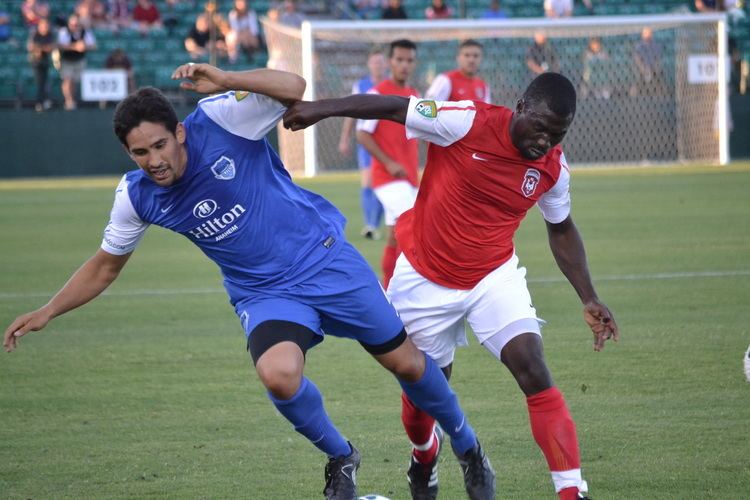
568,494
419,427
555,433
388,263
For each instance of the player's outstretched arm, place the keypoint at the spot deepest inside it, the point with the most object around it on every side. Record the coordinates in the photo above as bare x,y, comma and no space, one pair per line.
90,280
364,106
570,255
283,86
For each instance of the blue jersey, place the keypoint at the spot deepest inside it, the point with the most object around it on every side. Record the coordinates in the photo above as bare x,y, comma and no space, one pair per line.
235,201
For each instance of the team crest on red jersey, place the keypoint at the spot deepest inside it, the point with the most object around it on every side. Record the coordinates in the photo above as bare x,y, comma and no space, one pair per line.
530,182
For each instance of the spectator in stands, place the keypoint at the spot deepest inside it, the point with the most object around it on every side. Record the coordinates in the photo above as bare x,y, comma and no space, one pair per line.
40,45
541,57
146,16
118,59
91,13
4,26
244,31
118,12
74,41
495,11
438,9
558,8
198,42
596,81
394,10
289,14
647,59
32,11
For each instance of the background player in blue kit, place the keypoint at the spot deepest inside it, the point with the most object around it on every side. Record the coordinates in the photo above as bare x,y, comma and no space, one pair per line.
287,268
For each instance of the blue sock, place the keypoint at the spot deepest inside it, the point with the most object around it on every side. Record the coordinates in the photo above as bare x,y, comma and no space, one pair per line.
432,394
305,411
377,211
365,199
371,207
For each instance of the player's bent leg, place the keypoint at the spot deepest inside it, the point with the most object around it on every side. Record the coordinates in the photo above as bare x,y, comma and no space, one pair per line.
551,423
278,350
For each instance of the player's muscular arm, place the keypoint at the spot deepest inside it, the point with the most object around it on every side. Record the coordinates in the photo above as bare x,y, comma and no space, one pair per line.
367,140
364,106
90,280
283,86
567,247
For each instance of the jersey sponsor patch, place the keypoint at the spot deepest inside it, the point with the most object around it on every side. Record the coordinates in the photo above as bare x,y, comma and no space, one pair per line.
240,94
428,109
224,169
530,182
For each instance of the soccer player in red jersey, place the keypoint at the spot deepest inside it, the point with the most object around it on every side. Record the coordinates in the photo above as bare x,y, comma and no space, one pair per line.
462,83
486,167
395,158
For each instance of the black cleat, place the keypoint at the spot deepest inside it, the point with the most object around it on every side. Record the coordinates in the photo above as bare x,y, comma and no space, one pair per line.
341,476
423,478
479,478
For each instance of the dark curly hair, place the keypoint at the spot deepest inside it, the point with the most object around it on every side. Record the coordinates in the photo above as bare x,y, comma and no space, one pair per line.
144,105
555,90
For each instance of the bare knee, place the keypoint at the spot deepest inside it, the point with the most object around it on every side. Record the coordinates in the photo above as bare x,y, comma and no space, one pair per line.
524,357
280,369
406,362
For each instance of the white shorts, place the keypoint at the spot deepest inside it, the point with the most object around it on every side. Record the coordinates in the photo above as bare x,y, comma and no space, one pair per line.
498,309
396,197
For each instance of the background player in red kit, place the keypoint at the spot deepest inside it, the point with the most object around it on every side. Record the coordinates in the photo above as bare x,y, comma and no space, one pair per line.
395,158
486,167
462,83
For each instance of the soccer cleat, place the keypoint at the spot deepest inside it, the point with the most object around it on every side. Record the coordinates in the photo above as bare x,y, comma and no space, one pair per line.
479,478
370,233
341,476
423,478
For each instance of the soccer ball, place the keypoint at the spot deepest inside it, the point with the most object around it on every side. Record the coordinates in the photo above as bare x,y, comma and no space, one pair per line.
747,364
373,497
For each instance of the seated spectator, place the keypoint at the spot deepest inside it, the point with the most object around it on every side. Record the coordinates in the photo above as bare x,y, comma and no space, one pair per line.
596,81
40,45
289,15
198,42
4,26
244,32
118,12
91,13
438,10
32,11
118,59
558,8
146,16
709,6
394,10
495,11
74,42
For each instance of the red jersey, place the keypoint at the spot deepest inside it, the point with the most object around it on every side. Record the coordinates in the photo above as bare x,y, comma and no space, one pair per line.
455,86
391,138
475,191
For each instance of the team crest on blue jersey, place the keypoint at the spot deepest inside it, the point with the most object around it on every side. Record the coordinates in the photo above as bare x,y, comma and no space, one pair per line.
530,182
224,169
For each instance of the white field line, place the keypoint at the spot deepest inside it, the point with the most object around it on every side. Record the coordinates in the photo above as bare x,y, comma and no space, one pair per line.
556,279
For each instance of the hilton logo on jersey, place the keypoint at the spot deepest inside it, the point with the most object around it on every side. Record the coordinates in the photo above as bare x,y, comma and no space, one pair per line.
530,182
218,227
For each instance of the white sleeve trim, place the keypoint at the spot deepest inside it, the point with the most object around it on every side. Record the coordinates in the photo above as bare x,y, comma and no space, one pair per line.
555,203
439,122
440,90
125,229
487,94
247,115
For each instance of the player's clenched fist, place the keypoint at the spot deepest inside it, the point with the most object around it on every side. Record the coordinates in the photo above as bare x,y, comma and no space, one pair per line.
30,322
301,115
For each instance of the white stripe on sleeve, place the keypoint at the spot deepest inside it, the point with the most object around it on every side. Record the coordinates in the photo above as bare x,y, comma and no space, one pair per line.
247,115
555,203
125,229
440,90
439,122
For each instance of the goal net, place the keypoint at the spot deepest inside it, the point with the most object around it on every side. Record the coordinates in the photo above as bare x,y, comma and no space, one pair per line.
638,103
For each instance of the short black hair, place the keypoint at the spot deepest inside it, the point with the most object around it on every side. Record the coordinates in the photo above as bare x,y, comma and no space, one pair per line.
401,43
144,105
555,90
470,42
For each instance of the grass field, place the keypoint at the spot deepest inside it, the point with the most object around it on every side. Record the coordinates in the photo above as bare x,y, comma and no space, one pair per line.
147,392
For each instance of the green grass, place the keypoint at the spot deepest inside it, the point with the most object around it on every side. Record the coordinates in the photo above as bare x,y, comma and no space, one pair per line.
140,395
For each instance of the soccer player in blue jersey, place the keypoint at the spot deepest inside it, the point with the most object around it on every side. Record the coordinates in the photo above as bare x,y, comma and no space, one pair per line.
372,209
287,268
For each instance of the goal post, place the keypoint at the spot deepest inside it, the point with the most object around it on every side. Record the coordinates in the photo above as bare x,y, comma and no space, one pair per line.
674,109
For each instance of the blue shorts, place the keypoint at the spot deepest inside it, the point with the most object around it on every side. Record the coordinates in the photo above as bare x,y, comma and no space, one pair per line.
364,160
344,300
